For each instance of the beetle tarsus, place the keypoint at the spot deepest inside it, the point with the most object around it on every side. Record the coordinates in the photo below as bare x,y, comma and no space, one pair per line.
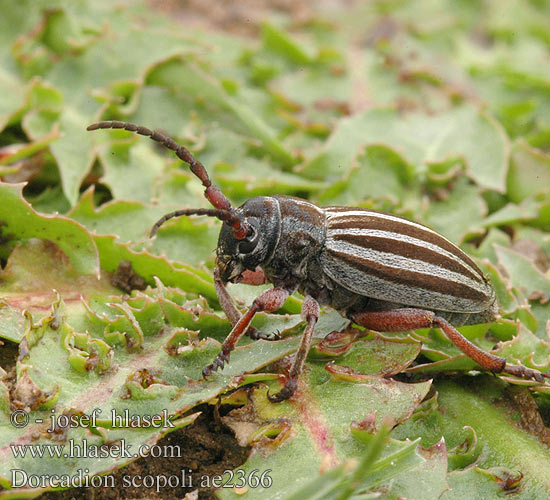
286,392
270,300
524,372
310,313
218,363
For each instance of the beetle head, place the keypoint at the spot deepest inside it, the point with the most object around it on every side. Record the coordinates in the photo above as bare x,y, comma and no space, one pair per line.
261,215
249,234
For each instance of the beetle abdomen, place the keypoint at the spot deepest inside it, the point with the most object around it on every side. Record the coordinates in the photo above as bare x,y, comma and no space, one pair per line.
389,258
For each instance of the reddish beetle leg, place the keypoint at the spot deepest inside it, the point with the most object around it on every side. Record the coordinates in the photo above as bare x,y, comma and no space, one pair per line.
269,301
397,320
228,306
310,314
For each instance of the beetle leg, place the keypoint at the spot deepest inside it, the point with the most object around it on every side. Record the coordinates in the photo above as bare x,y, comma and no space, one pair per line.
232,313
228,306
256,278
310,313
269,301
397,320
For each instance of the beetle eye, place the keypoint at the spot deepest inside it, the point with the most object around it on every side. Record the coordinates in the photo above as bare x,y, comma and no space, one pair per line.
249,243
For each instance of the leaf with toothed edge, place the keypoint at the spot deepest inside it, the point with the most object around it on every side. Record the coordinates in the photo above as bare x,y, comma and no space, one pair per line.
21,222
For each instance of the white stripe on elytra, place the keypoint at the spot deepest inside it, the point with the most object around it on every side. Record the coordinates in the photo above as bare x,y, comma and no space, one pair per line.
391,235
308,205
361,213
372,286
398,262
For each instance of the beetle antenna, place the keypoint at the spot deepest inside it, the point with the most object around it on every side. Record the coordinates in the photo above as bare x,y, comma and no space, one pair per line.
213,194
223,215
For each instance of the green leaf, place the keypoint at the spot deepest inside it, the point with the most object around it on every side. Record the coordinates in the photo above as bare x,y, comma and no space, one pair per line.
282,43
524,275
460,215
315,424
130,173
379,173
194,81
529,173
62,367
21,222
462,133
457,412
36,273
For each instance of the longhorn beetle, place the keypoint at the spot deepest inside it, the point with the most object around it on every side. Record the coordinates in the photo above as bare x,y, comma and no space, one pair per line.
381,271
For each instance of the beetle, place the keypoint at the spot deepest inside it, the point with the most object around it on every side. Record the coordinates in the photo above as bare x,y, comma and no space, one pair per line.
383,272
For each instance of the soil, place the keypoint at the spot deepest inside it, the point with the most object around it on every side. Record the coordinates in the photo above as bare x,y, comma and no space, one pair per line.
8,355
209,448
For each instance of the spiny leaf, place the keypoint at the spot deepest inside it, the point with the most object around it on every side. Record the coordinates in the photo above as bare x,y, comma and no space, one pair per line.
460,406
316,416
35,274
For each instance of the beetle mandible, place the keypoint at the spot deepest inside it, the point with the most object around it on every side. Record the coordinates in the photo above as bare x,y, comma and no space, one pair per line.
381,271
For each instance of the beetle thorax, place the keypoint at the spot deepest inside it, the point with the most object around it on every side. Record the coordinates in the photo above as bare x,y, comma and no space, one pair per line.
286,233
303,228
